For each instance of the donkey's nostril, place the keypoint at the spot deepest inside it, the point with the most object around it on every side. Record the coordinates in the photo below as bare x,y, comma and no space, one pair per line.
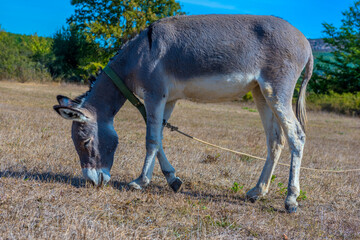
101,179
105,175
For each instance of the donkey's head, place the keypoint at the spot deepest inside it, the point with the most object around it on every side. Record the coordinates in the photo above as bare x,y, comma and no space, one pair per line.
94,138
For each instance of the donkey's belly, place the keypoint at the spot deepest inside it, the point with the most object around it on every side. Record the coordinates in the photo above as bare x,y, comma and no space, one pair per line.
213,88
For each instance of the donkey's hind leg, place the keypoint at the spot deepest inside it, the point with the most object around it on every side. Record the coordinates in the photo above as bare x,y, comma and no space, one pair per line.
278,95
167,169
275,142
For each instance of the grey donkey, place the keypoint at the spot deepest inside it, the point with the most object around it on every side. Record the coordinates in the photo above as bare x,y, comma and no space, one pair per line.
205,58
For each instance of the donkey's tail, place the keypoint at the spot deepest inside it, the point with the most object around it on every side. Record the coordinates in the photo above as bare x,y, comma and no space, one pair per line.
300,105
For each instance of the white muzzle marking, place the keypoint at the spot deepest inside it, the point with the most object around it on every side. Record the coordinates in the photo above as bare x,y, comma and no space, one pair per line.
97,176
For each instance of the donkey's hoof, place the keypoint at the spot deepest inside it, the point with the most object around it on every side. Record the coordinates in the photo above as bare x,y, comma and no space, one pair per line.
176,184
251,199
139,183
290,209
253,195
291,205
134,185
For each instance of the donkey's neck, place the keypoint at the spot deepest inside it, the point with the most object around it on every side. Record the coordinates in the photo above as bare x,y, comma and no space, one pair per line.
104,98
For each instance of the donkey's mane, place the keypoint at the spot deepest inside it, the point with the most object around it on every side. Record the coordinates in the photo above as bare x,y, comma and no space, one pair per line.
80,99
92,79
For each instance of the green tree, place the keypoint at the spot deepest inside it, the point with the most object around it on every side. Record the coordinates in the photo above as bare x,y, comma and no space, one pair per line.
10,57
73,53
19,60
40,48
111,22
340,72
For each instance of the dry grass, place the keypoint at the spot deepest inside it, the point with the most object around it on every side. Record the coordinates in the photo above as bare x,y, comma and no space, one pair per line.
43,196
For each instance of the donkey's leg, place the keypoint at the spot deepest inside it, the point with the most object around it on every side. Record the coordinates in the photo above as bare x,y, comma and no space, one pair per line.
155,111
279,99
167,169
275,142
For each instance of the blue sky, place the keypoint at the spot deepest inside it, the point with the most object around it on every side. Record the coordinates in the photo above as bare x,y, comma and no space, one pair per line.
45,17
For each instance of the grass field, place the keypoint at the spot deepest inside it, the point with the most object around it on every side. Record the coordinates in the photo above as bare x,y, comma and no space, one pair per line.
43,195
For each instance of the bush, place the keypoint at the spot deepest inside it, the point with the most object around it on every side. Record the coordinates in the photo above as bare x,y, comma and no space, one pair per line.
247,97
345,103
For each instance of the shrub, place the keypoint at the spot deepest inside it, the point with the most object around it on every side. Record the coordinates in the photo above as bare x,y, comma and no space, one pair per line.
247,97
345,103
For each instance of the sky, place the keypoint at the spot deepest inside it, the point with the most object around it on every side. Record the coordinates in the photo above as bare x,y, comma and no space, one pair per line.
45,17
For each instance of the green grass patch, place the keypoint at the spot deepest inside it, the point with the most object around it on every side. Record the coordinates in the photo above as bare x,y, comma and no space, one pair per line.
236,187
249,109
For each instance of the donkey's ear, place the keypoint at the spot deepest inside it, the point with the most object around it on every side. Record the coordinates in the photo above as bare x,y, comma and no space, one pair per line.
71,113
64,101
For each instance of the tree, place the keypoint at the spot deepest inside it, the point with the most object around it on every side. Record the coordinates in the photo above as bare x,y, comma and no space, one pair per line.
73,52
10,58
40,48
341,72
23,57
112,22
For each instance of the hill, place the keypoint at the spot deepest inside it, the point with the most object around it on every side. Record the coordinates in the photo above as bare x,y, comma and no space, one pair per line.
318,45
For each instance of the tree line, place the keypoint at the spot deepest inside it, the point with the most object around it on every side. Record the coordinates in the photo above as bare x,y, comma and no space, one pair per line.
92,36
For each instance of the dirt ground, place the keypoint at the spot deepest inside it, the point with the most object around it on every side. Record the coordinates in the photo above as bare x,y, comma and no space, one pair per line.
43,194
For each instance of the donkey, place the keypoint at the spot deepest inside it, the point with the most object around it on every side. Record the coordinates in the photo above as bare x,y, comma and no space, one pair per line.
204,58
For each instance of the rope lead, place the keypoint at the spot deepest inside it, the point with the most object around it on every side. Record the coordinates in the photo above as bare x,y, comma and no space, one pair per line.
176,129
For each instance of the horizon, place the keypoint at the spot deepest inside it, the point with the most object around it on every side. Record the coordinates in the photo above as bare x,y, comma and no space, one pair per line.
39,16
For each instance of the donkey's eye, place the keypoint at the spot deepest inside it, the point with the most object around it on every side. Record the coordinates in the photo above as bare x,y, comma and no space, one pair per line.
87,142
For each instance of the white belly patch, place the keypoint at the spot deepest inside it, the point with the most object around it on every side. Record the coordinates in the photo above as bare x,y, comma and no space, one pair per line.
214,88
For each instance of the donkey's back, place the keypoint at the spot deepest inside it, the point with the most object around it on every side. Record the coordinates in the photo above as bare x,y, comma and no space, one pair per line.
219,57
206,44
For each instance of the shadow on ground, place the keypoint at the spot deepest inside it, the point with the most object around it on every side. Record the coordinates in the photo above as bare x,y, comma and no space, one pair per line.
78,182
50,177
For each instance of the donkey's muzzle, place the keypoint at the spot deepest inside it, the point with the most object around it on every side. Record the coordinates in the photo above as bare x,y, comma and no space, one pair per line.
98,177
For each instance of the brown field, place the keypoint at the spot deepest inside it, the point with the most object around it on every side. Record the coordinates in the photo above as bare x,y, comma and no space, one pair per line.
43,195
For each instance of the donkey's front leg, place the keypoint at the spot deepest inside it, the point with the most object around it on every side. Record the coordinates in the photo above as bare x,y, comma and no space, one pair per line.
166,167
155,112
169,171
